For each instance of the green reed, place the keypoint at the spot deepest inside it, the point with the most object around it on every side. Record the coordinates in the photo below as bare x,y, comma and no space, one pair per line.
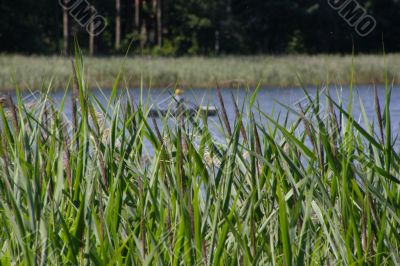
321,188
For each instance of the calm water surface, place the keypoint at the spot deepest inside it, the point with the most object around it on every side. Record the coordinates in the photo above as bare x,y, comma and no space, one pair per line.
269,100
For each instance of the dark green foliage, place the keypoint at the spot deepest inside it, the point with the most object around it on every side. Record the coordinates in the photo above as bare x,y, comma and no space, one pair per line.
207,27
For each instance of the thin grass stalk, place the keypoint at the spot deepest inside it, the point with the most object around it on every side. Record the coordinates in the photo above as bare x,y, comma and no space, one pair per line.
184,153
160,139
239,118
190,190
307,127
43,170
102,165
181,140
334,127
74,97
4,153
13,110
256,136
334,119
164,172
99,152
142,220
224,113
130,111
46,116
67,155
379,114
388,125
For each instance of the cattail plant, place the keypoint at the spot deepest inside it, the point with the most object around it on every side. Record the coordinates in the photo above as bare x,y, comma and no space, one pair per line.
310,186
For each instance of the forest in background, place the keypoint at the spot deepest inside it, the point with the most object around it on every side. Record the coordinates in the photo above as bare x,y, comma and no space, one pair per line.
197,27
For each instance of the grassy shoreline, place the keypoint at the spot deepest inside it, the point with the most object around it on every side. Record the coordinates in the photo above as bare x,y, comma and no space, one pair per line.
323,188
29,72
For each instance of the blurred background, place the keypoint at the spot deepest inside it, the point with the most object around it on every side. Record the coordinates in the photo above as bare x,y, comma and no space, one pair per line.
197,27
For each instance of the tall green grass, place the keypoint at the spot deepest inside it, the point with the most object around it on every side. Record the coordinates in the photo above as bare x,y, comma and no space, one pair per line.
320,190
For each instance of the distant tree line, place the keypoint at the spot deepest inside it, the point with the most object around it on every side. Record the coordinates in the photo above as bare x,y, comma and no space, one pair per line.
205,27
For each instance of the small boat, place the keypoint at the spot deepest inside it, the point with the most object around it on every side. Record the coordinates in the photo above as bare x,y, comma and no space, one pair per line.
192,111
178,106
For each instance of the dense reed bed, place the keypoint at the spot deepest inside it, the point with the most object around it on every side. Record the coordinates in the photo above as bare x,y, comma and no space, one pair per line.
322,189
199,72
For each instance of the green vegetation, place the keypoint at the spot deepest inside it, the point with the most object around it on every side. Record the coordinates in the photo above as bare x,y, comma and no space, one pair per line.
190,27
321,190
195,72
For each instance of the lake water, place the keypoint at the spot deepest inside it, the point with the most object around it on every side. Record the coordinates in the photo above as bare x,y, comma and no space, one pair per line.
268,100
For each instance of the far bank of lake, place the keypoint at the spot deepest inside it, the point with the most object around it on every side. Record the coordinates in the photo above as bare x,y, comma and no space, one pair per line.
30,72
